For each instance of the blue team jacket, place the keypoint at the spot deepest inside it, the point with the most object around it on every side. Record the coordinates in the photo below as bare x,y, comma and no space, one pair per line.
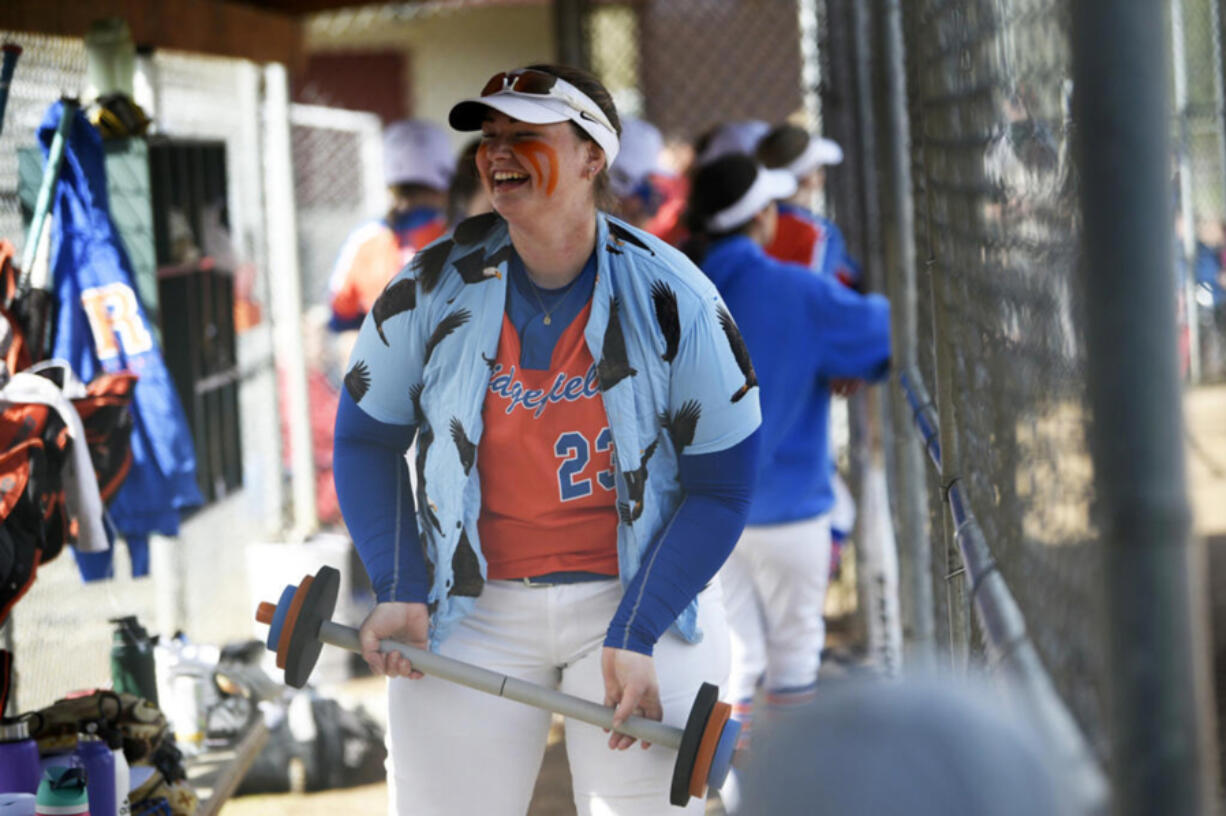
101,326
802,330
672,369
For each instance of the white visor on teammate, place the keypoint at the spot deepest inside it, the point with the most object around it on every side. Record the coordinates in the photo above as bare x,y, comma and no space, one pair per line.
768,186
543,99
818,152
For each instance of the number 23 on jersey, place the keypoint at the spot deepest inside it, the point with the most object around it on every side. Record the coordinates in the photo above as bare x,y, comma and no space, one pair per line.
575,451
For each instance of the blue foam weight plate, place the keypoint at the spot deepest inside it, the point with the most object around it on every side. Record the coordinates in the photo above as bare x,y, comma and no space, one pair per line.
278,618
721,762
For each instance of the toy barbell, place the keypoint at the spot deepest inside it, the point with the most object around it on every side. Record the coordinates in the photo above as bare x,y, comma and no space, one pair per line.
300,624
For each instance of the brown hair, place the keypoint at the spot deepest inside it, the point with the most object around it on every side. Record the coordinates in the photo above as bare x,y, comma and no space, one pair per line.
596,91
464,184
782,146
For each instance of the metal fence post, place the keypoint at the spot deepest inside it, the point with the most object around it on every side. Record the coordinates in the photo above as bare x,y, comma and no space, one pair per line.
957,605
910,480
569,22
955,572
1187,242
1160,707
877,554
283,269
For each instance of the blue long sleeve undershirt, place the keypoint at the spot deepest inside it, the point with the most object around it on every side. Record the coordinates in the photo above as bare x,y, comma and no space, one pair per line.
372,483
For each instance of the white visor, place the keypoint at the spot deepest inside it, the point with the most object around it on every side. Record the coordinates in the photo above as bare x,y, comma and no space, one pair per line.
818,152
768,186
565,103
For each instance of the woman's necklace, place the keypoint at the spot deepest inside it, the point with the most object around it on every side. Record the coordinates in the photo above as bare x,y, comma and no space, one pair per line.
556,306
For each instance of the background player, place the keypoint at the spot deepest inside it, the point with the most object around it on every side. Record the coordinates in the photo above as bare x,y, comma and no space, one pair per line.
418,164
803,236
802,330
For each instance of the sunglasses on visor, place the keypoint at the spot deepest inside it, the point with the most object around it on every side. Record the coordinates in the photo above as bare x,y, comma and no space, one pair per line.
528,81
539,83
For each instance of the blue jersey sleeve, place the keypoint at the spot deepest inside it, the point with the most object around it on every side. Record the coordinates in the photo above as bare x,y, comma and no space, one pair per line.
376,498
837,261
851,331
691,549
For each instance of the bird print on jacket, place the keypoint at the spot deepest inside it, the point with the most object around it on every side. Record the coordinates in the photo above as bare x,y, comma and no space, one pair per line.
621,234
427,265
446,326
681,425
425,555
357,381
464,447
472,230
466,570
614,366
415,397
425,438
477,267
739,351
665,301
398,297
636,484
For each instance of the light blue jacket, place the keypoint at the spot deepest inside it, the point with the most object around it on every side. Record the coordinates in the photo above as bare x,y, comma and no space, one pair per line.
666,352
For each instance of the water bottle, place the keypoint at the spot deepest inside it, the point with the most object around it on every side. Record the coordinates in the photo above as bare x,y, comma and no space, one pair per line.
95,756
19,770
63,792
114,740
132,664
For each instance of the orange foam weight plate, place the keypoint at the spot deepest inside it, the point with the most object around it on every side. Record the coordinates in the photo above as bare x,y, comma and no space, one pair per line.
706,749
291,618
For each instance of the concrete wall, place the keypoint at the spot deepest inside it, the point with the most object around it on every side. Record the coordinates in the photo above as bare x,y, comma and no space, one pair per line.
451,52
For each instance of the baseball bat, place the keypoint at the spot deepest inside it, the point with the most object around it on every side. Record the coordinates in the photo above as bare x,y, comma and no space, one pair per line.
11,52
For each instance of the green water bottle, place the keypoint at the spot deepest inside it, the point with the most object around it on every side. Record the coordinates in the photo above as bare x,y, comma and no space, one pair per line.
132,668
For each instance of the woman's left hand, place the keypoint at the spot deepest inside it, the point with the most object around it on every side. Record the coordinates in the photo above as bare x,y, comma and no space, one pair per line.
630,685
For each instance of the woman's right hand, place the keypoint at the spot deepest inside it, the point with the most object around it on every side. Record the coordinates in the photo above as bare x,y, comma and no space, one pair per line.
407,623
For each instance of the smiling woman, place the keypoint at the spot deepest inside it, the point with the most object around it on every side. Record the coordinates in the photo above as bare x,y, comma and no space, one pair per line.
581,470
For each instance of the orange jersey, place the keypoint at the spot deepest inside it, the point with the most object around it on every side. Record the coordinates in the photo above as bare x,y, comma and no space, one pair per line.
545,460
668,224
372,256
797,239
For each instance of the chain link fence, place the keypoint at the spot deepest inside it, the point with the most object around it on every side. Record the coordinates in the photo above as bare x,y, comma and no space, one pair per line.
999,377
337,181
1199,169
997,368
688,65
1000,317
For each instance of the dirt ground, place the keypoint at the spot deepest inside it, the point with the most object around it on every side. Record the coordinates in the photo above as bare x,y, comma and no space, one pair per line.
1205,413
1205,431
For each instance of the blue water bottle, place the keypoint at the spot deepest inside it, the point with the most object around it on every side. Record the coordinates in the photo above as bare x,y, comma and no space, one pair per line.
19,771
95,756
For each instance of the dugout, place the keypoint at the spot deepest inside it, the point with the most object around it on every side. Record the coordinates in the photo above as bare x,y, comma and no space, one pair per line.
962,192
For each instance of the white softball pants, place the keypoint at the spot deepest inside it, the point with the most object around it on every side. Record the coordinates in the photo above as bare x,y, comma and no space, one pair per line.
453,750
774,587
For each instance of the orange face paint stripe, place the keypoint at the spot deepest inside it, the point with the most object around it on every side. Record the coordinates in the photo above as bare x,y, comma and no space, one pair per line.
529,152
481,159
